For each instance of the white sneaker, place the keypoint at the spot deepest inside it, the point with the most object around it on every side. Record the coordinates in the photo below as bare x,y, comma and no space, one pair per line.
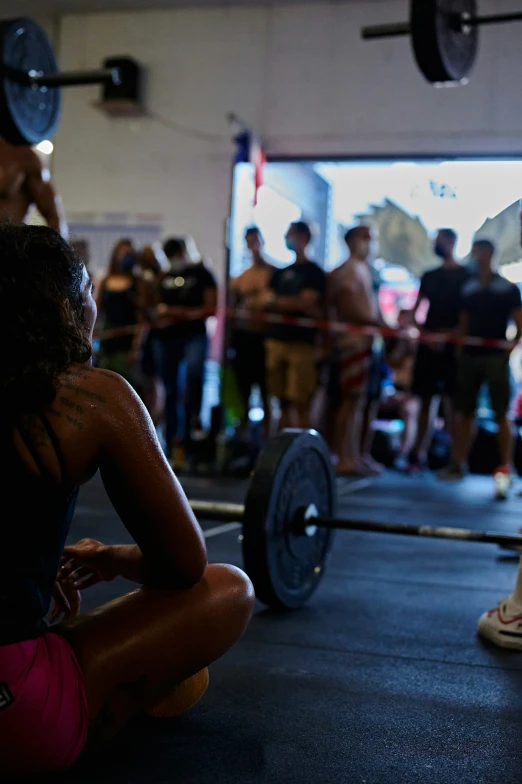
503,482
503,625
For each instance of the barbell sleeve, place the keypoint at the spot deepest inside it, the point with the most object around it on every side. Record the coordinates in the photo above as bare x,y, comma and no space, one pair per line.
76,78
386,31
63,79
216,510
430,532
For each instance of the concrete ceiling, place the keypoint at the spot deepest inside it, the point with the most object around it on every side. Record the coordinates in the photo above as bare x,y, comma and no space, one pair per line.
39,8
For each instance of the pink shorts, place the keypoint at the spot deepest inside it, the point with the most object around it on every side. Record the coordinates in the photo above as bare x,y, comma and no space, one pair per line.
43,707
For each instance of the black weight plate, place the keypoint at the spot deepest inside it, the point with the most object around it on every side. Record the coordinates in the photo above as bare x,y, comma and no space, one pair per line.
28,115
293,471
443,52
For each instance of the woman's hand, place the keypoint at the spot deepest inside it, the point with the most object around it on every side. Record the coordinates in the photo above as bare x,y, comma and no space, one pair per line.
87,563
66,600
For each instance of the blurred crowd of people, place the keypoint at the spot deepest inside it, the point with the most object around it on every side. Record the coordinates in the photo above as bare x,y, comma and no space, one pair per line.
153,305
304,374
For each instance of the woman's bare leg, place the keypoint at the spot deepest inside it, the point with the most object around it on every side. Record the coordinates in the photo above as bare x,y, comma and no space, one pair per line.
134,650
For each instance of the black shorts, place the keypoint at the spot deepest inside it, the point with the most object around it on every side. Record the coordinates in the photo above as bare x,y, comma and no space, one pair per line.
474,371
333,383
377,375
435,372
249,361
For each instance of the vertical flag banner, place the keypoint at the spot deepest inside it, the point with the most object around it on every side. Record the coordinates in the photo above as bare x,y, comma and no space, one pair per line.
249,150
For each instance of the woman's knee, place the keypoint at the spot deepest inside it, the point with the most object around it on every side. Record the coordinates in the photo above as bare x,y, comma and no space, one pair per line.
228,584
231,593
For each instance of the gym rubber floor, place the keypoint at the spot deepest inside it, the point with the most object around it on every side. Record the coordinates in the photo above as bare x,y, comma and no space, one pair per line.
379,680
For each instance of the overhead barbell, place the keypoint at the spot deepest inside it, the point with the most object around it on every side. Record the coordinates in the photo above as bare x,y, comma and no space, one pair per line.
31,82
444,36
289,517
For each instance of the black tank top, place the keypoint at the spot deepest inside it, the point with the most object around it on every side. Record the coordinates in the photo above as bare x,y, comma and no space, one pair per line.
119,309
36,515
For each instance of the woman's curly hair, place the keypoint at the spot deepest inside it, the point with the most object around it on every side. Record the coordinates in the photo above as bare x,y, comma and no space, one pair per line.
41,316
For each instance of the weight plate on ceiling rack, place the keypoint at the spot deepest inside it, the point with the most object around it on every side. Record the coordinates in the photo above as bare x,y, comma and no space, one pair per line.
445,50
293,472
28,114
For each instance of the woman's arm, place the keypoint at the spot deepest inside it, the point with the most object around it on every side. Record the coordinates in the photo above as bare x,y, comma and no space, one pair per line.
148,498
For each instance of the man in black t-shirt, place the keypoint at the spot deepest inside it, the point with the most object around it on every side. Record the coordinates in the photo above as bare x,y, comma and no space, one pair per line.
184,290
489,304
435,372
297,290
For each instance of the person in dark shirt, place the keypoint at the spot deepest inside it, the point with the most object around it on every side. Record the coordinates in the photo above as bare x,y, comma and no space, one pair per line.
118,307
187,296
249,334
152,262
297,290
435,372
489,303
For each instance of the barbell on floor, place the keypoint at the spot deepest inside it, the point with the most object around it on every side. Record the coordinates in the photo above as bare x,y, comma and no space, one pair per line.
444,36
30,82
289,517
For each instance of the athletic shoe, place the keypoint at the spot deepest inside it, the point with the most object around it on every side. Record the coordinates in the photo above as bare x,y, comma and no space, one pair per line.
503,481
401,463
452,473
503,625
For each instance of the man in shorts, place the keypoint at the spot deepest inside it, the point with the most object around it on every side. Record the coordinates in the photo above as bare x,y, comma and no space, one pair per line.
351,299
435,371
489,304
297,290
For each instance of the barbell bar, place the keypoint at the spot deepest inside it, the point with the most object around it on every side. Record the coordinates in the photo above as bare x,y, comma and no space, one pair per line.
444,36
37,79
307,519
288,520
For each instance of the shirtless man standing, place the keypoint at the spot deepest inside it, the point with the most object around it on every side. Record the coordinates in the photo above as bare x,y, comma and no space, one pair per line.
351,299
25,182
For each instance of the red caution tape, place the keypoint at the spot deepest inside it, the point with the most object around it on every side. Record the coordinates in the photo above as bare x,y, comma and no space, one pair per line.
333,327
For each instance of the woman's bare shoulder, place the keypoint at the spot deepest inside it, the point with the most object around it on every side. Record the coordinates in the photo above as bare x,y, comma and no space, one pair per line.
95,394
93,383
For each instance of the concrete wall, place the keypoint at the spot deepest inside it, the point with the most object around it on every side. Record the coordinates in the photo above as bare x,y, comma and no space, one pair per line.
300,75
